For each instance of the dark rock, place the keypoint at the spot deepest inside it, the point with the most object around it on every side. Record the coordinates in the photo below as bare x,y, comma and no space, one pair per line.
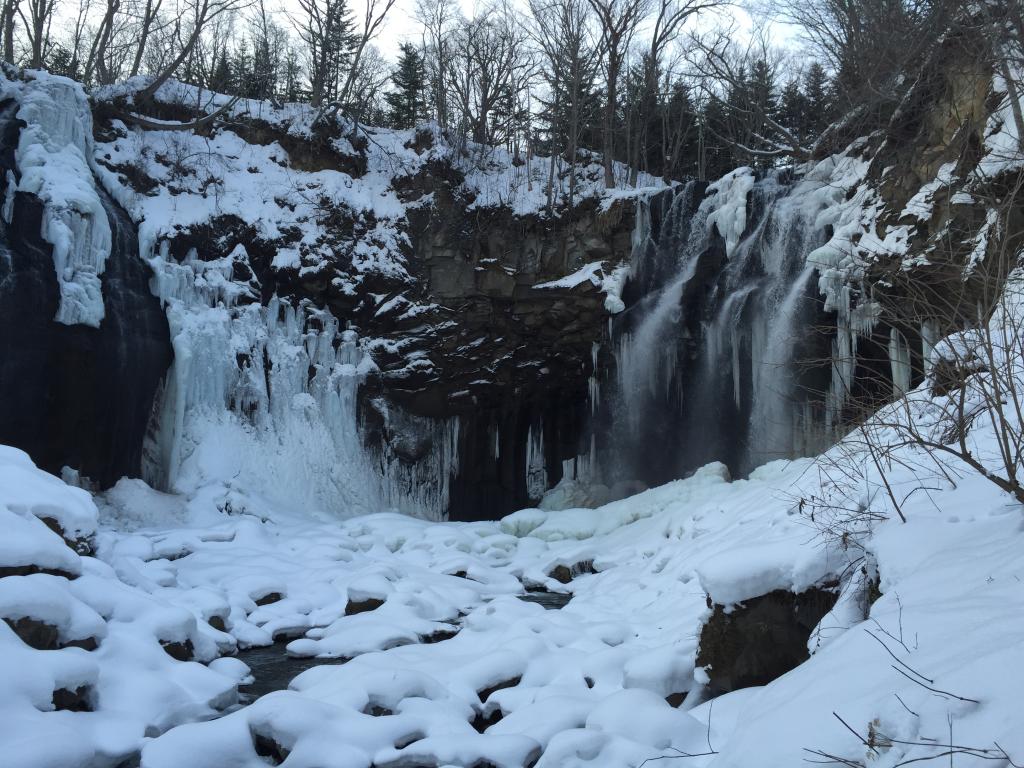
267,748
268,598
564,573
676,699
411,738
288,634
761,638
439,635
481,722
217,622
86,644
35,633
361,606
182,651
549,600
28,570
82,545
375,710
510,683
134,760
73,701
75,396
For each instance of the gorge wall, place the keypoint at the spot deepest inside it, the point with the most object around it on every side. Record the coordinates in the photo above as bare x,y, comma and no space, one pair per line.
351,321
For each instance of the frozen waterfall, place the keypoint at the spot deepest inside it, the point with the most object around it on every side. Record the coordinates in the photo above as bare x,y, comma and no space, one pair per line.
709,353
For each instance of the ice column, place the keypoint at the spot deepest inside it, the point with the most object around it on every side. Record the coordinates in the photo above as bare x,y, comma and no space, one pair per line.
52,156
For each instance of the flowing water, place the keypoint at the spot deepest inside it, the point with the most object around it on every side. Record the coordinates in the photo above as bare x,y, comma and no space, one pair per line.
709,354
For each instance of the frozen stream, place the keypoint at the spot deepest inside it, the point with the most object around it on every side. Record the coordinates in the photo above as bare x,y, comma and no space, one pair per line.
273,669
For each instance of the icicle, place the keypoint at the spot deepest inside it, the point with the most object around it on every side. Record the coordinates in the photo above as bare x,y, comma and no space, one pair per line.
929,338
536,468
899,362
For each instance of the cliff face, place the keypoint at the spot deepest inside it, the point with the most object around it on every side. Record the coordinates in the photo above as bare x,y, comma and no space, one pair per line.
933,226
387,321
73,395
510,360
461,314
768,311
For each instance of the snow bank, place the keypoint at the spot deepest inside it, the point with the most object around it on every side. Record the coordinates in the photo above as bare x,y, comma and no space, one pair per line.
86,674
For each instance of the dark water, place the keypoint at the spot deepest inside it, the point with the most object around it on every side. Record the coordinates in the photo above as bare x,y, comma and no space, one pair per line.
550,600
273,669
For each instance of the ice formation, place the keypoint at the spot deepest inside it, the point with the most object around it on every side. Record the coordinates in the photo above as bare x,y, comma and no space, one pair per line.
54,157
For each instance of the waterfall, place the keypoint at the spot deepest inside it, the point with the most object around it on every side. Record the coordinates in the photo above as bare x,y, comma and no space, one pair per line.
265,398
707,352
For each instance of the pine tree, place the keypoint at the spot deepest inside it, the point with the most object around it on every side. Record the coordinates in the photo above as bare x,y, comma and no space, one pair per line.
241,70
820,97
407,103
292,74
222,80
793,109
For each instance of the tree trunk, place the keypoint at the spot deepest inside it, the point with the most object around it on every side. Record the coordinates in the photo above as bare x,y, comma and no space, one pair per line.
608,129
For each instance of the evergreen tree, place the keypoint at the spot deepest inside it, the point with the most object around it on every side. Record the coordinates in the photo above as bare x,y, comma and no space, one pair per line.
762,105
222,79
261,80
292,75
717,127
793,113
61,61
680,132
407,103
820,98
241,70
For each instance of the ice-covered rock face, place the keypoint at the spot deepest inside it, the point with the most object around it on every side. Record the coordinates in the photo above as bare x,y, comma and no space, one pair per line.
764,311
84,345
395,328
54,158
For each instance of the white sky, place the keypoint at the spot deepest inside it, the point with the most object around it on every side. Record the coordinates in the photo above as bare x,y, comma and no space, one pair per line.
401,25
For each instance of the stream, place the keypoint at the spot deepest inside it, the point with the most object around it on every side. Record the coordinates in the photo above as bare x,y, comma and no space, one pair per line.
273,669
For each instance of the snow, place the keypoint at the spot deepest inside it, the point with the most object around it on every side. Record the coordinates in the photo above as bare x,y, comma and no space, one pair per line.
265,492
589,273
239,410
54,159
730,214
585,685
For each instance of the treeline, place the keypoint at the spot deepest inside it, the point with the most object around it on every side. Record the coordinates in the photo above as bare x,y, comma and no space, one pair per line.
665,87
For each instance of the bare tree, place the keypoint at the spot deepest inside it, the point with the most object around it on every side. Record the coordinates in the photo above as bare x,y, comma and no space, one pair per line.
368,87
618,20
870,44
37,29
437,18
669,18
1005,33
488,61
9,14
723,65
96,63
325,27
573,58
375,13
148,14
199,13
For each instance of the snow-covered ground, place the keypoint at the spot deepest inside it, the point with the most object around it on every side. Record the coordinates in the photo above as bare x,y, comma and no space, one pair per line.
122,611
443,642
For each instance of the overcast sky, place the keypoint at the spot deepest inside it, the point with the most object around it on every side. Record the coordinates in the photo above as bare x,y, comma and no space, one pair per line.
401,25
